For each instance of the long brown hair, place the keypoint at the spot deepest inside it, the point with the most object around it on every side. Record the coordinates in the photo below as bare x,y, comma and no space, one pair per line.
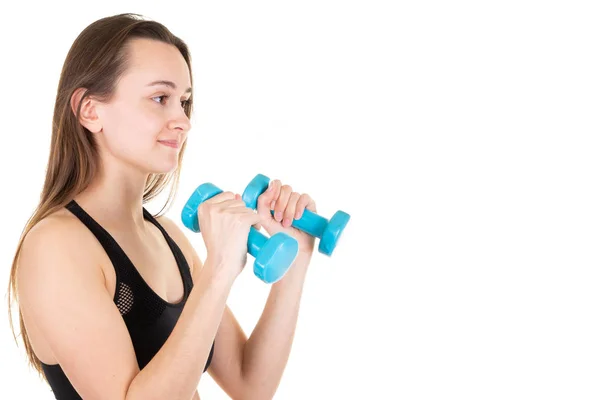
96,60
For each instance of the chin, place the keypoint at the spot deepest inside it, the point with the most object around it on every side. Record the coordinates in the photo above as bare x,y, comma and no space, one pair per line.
164,167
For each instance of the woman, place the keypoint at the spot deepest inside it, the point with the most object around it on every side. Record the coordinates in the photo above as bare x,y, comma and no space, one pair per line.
114,303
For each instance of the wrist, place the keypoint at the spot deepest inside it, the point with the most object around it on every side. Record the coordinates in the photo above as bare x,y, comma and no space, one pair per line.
219,269
303,259
297,271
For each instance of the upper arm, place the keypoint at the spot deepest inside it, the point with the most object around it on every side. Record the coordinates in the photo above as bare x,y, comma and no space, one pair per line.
62,294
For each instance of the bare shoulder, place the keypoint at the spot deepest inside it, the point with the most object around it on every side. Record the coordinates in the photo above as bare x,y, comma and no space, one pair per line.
57,229
59,245
61,227
59,235
68,312
182,241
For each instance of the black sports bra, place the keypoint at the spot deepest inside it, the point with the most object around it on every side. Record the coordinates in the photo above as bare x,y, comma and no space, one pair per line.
149,319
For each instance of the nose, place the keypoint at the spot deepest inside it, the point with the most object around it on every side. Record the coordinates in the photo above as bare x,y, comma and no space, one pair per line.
180,121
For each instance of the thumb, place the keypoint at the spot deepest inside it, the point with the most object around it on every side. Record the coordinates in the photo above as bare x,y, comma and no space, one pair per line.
263,208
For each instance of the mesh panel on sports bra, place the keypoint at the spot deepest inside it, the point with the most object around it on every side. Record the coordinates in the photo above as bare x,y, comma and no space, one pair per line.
149,318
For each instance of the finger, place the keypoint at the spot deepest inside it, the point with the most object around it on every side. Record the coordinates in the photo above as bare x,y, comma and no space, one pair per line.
266,201
247,216
274,193
290,210
252,218
218,198
233,203
281,202
304,202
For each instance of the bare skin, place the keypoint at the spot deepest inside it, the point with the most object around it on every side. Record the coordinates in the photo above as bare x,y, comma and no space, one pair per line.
129,131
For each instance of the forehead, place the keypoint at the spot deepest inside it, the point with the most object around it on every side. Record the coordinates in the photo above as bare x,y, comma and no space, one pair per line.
151,60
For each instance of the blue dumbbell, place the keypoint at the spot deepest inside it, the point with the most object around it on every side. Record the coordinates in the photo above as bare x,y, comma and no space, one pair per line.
273,256
329,231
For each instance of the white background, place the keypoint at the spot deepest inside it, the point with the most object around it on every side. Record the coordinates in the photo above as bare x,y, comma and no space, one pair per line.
462,137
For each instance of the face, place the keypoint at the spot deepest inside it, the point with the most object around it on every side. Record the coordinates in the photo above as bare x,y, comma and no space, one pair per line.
145,124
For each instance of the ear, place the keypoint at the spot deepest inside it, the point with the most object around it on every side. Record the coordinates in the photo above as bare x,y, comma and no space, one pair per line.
88,116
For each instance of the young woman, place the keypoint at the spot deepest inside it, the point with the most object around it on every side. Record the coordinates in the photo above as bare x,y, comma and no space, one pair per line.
114,302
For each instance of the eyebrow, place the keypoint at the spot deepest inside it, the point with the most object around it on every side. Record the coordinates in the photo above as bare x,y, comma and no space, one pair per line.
168,83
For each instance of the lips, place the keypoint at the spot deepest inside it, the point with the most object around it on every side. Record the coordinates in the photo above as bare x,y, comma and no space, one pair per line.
170,143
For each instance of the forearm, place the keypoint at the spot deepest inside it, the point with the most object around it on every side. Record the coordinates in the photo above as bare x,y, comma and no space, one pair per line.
267,349
175,371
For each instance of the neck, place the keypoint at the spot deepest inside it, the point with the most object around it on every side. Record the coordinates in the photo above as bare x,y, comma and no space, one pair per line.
115,197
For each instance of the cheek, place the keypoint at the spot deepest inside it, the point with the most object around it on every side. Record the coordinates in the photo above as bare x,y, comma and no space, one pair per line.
132,130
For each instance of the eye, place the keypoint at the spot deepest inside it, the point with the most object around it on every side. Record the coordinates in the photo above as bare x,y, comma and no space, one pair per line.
183,102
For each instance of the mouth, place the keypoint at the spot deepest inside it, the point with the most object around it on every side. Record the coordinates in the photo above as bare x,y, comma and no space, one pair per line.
170,143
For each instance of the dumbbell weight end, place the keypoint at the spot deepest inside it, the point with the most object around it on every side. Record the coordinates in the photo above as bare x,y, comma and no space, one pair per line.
329,231
273,256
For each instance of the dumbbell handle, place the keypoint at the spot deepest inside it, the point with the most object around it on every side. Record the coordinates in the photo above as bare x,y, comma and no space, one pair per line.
310,223
256,241
273,255
328,230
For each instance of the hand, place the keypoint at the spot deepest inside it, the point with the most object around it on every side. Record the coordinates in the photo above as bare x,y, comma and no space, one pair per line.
225,223
288,205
